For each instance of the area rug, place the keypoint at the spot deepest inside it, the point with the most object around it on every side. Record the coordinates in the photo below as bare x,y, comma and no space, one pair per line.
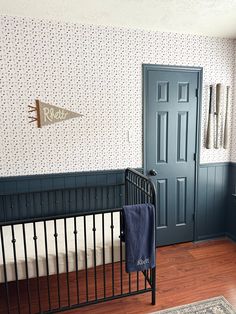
218,305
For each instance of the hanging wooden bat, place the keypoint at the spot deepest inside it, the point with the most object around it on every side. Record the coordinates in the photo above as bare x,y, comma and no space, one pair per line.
217,116
209,136
226,127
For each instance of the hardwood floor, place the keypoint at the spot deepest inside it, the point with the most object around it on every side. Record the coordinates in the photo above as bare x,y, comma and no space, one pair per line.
186,273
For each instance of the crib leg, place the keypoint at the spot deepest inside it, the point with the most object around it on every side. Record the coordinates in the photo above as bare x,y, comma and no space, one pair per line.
154,286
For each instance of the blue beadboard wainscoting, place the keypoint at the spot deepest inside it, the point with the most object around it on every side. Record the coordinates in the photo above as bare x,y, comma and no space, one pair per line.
212,200
231,213
216,207
88,190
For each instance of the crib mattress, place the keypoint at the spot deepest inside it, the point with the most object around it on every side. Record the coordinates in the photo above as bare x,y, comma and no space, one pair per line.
64,229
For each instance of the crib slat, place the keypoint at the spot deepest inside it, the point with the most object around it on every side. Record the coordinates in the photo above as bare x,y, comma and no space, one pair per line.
5,271
144,200
137,201
121,257
136,192
67,262
47,265
112,254
37,264
139,180
146,192
26,268
57,263
146,275
133,191
127,194
15,266
128,201
103,256
153,285
86,260
76,259
94,257
129,282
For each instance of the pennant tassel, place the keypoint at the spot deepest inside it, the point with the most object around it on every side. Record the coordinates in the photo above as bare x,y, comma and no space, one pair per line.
35,109
33,119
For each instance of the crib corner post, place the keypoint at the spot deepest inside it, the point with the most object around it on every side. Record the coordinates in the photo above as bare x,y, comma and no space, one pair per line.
126,186
154,286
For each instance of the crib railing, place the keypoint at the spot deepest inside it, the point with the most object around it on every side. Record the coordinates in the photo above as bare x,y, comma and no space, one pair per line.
59,263
138,188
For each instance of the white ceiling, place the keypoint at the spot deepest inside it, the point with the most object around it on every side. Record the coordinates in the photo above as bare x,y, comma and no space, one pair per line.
204,17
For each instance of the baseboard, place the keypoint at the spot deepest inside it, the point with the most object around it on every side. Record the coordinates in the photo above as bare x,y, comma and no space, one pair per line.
231,236
211,236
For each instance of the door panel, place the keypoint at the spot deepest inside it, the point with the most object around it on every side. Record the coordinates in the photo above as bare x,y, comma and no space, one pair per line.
182,136
162,136
181,201
162,203
170,136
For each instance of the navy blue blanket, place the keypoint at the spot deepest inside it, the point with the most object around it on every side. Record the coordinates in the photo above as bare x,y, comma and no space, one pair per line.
139,236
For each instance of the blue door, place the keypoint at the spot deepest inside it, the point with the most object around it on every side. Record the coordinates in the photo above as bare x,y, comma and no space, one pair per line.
171,103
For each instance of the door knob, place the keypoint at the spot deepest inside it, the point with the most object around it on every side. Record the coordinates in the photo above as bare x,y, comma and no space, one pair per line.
153,172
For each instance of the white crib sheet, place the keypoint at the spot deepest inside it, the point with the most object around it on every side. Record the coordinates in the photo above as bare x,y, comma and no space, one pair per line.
31,260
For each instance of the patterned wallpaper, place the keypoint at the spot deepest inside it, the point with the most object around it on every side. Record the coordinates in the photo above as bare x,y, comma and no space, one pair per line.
233,136
97,72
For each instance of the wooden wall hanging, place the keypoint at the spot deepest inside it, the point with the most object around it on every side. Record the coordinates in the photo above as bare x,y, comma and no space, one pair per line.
209,135
48,114
217,129
226,124
217,115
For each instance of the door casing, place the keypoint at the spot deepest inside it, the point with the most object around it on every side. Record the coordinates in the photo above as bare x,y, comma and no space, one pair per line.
199,70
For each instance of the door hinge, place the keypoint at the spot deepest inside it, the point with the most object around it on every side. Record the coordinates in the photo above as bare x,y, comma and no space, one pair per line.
193,216
194,156
196,92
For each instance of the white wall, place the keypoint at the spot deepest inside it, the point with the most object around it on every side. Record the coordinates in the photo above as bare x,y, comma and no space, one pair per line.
202,17
95,71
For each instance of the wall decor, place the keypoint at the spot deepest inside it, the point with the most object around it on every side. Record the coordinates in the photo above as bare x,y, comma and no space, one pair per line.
218,116
218,128
226,123
209,136
48,114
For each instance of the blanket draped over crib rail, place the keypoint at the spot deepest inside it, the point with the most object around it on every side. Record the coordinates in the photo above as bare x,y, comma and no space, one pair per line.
139,236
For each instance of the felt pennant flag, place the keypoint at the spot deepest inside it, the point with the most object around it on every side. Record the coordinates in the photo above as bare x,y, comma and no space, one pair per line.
49,114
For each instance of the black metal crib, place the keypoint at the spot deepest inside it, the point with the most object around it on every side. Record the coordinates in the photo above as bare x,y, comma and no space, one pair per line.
52,264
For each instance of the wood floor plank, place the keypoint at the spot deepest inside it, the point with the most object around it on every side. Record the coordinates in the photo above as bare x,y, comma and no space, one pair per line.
186,273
